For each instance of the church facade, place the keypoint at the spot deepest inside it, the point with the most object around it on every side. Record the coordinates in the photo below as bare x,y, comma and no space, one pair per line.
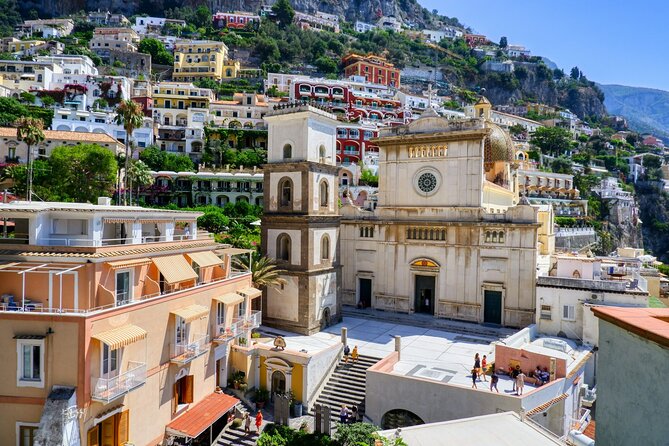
450,236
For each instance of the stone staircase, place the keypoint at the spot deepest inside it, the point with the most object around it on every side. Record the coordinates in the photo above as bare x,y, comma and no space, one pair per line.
236,436
346,386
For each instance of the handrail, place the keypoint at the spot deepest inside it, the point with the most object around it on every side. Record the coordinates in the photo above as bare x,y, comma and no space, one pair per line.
108,389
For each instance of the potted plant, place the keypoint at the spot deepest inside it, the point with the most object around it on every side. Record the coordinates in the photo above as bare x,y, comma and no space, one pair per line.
237,379
261,397
295,406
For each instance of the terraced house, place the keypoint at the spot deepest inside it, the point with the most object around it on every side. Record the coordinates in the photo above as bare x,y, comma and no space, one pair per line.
203,59
115,323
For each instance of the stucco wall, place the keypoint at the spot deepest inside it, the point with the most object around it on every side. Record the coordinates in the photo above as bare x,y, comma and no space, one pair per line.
631,387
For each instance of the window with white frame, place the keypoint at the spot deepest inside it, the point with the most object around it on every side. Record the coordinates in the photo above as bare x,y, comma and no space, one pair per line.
123,287
30,362
110,361
242,308
546,312
181,331
220,314
26,433
568,312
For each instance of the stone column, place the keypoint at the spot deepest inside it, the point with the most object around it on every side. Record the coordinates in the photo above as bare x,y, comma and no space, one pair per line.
344,335
398,346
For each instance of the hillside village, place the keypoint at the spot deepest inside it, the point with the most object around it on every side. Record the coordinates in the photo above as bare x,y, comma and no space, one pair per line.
251,192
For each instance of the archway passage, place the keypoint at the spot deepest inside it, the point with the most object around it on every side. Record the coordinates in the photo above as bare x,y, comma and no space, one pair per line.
278,382
400,418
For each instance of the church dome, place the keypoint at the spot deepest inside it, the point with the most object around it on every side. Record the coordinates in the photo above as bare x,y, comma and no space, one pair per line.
498,145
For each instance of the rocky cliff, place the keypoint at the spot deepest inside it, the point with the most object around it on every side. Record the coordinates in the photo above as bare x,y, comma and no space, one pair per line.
351,10
654,212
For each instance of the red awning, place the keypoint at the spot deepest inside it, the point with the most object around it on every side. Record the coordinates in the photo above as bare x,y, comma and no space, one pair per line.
202,415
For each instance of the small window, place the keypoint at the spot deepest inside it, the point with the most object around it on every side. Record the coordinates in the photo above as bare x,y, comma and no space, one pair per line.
287,151
27,434
285,193
220,314
325,247
30,354
181,331
324,194
546,312
568,313
283,248
123,287
110,361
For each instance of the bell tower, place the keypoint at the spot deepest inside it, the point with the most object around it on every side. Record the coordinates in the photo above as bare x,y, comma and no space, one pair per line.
300,225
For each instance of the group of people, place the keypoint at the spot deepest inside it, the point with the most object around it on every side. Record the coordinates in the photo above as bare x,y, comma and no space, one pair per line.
246,420
542,376
353,354
480,369
349,416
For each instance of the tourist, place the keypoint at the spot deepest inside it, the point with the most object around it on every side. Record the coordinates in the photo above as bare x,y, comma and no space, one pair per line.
493,381
231,416
520,382
514,375
354,354
347,351
477,364
484,367
258,421
475,375
343,414
247,423
545,375
354,414
538,376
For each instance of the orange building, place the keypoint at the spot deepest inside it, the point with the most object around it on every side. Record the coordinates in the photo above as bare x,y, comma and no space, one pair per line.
116,324
375,69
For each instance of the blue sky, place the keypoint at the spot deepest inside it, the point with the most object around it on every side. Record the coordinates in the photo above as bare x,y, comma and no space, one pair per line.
612,42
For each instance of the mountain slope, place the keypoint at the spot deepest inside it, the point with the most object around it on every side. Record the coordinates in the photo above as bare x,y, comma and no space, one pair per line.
646,109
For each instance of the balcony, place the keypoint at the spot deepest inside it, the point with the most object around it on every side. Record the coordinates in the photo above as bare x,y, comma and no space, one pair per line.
106,390
239,326
183,353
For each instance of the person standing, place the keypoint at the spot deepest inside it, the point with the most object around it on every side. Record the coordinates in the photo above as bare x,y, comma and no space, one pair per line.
258,421
520,382
343,414
475,375
354,414
354,354
484,368
477,364
347,351
493,381
247,423
514,375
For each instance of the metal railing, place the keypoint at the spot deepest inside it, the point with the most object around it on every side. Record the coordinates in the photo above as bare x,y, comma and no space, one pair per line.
185,352
108,389
87,242
238,327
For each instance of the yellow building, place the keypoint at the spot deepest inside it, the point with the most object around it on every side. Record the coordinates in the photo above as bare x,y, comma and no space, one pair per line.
203,59
23,45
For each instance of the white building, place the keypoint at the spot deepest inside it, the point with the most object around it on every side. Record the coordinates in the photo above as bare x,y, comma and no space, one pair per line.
93,87
436,36
144,25
71,64
390,23
517,51
49,28
362,27
574,285
78,120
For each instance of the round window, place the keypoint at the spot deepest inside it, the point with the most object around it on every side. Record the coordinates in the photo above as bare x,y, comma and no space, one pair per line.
427,182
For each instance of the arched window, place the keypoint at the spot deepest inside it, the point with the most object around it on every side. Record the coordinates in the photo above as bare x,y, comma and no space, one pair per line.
287,151
325,247
283,247
285,192
321,151
324,193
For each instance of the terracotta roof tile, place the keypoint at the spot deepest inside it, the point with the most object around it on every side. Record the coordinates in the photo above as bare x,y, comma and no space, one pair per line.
649,323
9,132
203,414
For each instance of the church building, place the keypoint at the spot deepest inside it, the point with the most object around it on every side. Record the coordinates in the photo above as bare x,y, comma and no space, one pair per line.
450,236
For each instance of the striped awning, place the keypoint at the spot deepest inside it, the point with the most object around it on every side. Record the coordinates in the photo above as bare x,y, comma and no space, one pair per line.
230,298
129,263
122,336
233,251
118,219
174,269
205,259
251,292
191,312
155,220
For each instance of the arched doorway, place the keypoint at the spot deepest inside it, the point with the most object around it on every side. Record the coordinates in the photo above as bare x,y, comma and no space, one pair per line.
425,272
400,418
278,382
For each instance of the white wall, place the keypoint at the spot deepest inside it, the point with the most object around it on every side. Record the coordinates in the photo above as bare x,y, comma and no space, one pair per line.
283,303
295,243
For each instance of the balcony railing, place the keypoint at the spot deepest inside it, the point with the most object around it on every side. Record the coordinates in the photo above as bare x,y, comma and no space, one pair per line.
108,389
238,327
185,352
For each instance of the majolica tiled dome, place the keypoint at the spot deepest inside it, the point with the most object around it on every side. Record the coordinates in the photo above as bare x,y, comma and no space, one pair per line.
498,145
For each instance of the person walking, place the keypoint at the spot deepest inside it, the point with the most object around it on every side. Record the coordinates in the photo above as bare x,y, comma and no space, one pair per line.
520,382
258,421
347,351
484,368
493,381
475,375
514,375
343,414
354,354
477,364
247,423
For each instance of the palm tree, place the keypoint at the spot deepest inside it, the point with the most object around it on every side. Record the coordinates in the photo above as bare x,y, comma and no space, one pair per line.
129,114
30,131
264,271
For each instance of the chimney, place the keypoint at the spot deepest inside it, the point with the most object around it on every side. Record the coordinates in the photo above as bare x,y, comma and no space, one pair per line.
104,201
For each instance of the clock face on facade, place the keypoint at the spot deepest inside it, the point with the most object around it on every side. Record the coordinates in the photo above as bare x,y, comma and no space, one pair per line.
427,182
